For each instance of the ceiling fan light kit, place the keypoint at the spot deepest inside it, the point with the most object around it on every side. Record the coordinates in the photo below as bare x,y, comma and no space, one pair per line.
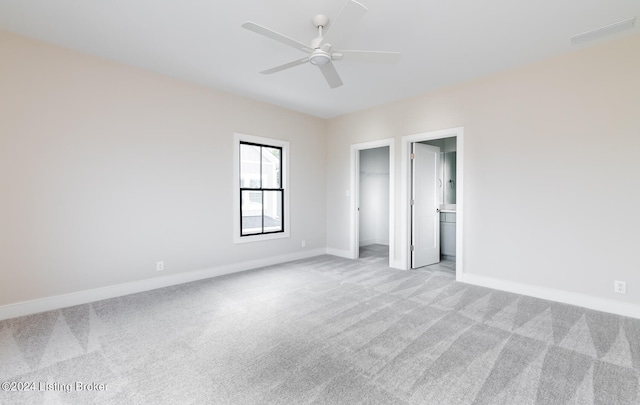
320,53
319,57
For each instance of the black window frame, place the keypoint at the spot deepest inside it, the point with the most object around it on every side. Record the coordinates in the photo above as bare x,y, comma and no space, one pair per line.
262,189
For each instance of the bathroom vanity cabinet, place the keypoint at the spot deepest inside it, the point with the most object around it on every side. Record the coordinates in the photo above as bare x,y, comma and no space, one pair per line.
448,235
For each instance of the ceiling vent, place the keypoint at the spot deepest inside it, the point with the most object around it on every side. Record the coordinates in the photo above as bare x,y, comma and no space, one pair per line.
603,31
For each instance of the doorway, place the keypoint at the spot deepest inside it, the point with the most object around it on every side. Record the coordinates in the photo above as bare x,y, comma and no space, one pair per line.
424,207
372,203
373,206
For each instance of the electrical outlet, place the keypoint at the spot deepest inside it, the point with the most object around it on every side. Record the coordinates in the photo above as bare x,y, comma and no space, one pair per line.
159,266
304,243
620,287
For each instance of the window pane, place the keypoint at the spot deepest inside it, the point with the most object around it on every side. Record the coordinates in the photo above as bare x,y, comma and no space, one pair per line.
249,166
251,211
272,211
270,167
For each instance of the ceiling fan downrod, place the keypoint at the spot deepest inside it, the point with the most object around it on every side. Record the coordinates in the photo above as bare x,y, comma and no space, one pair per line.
319,57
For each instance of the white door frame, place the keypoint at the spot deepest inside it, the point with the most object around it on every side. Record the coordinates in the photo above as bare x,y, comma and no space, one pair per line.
354,192
404,258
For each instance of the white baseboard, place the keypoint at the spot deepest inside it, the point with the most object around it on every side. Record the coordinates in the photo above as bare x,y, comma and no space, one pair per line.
374,242
97,294
396,264
566,297
340,253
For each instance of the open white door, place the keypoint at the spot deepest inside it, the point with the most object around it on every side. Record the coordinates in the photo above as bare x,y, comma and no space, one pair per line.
425,210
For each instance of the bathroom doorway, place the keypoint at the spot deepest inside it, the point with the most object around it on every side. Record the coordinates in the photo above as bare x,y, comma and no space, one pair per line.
432,200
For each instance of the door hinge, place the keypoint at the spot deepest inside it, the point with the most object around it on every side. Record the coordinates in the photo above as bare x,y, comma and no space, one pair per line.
413,202
412,156
413,248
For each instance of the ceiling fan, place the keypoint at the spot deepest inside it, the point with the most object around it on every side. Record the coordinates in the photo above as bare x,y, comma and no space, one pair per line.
320,52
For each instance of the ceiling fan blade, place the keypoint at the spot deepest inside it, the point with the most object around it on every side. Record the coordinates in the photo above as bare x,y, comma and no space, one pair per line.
343,23
331,74
366,56
259,29
286,66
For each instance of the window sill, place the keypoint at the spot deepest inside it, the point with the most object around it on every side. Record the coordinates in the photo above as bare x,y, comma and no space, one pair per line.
259,238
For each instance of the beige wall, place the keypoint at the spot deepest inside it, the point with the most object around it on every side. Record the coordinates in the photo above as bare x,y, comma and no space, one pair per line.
552,168
105,169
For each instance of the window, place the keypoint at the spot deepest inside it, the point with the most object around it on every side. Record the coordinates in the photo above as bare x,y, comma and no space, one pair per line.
262,198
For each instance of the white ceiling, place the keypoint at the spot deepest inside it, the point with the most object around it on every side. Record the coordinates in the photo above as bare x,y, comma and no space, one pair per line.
442,42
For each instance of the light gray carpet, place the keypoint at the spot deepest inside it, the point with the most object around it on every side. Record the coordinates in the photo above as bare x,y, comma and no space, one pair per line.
325,330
